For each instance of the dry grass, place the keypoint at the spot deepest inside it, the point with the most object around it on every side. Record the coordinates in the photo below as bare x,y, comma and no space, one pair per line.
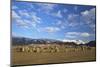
70,55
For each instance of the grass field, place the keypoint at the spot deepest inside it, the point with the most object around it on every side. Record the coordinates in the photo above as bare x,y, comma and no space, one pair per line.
63,55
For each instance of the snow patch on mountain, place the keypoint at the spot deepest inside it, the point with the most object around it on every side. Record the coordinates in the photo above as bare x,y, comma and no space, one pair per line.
75,41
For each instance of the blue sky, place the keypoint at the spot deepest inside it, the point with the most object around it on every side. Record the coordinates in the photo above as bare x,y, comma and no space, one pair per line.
53,21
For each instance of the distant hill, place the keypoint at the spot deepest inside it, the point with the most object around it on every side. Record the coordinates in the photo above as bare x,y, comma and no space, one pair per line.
28,41
91,44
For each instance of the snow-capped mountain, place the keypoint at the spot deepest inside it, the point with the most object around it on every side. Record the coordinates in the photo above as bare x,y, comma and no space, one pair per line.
75,41
28,41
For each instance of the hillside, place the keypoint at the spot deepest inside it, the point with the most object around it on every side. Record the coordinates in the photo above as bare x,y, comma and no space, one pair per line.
27,41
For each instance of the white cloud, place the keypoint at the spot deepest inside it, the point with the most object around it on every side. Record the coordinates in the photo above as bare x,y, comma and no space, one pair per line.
14,7
85,13
72,17
31,15
77,34
20,20
14,34
30,23
24,13
70,36
36,19
22,24
72,33
46,7
88,16
90,13
57,14
15,15
92,26
73,24
61,24
51,29
85,34
73,20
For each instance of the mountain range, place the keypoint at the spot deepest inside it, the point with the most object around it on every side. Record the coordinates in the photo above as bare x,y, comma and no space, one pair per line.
28,41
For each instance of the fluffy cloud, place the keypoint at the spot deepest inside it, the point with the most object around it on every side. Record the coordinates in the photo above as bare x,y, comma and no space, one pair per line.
61,24
48,8
36,19
88,17
70,36
73,24
57,14
14,7
21,21
89,13
45,7
14,34
72,33
73,20
77,34
85,34
72,16
24,13
15,15
93,26
51,29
